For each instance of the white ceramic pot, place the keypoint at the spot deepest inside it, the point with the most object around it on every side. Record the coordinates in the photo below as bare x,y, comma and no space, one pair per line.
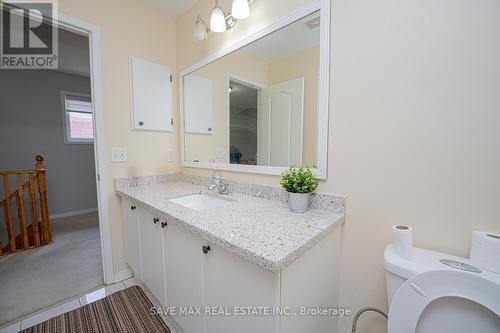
298,202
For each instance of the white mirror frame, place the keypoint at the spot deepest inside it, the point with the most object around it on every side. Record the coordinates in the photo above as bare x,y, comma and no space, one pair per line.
323,93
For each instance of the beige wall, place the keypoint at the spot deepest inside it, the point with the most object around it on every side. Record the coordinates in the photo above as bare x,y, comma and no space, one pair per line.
128,28
413,128
302,64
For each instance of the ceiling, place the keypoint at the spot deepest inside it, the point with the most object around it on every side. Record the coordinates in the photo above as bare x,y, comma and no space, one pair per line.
172,8
287,41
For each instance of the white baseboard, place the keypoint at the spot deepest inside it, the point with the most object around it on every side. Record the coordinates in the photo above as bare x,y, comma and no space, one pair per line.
122,275
73,213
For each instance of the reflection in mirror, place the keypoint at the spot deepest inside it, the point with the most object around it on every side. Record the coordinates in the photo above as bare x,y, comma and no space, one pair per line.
257,105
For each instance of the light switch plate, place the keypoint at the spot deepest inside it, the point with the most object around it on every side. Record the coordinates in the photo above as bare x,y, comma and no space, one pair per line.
170,155
119,154
219,153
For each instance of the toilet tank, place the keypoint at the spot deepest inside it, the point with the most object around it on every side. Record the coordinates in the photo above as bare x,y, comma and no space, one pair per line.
398,270
393,283
447,314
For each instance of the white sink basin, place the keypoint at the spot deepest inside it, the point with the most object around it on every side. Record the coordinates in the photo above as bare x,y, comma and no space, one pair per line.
198,201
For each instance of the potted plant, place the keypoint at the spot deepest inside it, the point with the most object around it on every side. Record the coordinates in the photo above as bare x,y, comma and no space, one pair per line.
300,183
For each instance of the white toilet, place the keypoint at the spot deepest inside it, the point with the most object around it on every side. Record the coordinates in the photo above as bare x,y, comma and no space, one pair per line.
428,296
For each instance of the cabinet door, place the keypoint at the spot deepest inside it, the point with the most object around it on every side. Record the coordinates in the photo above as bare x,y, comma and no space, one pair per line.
183,276
151,86
198,104
153,273
131,231
229,281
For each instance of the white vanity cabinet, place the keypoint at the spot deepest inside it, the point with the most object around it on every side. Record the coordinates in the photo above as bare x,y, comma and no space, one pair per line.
184,275
131,233
230,281
151,240
184,271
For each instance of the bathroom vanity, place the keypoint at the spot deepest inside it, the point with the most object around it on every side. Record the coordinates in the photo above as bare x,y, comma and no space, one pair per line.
243,260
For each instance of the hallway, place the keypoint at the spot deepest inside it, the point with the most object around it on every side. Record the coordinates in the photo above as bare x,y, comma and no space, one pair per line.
70,265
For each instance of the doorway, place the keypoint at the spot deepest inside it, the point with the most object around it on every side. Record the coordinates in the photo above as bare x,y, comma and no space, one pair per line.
243,108
58,108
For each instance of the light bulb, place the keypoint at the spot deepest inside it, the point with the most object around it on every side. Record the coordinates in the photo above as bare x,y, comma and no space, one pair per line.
240,9
217,20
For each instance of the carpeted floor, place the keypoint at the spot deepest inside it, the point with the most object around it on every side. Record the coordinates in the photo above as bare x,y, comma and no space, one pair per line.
127,310
34,279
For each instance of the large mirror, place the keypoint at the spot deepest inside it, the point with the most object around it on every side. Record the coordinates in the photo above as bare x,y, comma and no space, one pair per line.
260,107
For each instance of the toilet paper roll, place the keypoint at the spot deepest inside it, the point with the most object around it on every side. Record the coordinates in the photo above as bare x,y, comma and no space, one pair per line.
485,251
403,241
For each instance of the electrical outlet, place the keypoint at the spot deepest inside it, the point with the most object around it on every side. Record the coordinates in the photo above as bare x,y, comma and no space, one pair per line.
219,153
119,154
170,155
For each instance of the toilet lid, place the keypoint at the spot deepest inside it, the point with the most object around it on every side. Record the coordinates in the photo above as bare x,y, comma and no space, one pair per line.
416,293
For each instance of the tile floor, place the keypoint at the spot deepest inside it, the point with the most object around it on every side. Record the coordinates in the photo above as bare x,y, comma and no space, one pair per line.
77,302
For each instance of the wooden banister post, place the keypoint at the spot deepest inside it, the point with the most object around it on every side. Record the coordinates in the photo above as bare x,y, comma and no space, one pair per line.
42,190
34,215
20,212
39,163
8,215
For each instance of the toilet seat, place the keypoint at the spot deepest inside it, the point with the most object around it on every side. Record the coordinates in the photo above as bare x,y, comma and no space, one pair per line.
419,291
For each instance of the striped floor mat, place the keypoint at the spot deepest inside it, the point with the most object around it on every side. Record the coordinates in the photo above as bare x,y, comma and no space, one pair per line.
126,311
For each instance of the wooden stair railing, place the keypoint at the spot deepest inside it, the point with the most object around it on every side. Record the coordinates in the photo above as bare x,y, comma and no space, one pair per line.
38,233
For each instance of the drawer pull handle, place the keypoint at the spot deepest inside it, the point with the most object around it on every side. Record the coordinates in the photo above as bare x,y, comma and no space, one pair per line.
132,207
164,224
205,249
156,220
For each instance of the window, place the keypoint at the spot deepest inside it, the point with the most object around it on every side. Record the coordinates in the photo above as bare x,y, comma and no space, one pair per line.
77,117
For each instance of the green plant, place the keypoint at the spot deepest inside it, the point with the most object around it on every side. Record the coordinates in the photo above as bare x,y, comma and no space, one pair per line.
299,180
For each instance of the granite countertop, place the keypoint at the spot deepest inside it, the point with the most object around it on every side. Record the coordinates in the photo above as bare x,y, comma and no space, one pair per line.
254,224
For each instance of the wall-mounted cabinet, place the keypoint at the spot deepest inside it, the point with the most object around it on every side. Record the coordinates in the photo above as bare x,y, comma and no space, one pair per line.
198,111
151,94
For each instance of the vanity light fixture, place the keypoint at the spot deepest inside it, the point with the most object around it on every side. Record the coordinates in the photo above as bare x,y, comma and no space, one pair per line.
200,29
220,21
240,9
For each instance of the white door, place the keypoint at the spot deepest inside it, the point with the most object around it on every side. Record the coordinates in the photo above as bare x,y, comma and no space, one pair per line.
280,119
183,276
151,86
132,241
229,282
151,237
198,104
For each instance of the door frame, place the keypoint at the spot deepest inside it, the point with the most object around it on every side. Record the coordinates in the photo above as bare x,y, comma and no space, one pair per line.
94,35
244,81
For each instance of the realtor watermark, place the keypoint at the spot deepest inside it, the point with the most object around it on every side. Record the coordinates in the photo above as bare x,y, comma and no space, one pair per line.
28,34
251,311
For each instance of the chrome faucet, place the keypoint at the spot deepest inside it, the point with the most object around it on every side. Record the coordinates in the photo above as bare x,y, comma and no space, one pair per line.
219,184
